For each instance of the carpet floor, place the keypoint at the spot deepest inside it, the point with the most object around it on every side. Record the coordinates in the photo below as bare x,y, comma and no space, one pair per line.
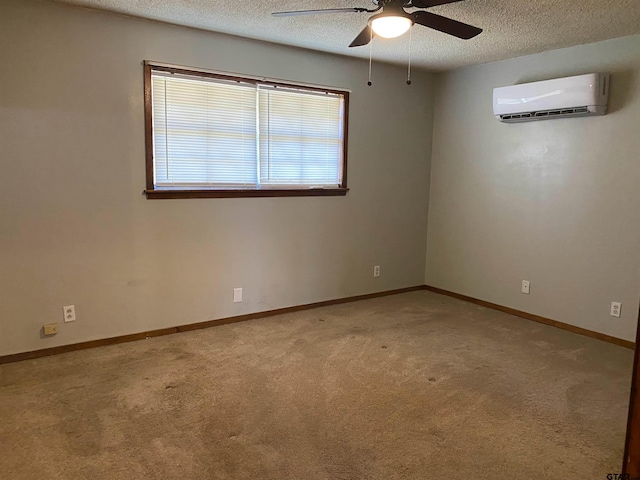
411,386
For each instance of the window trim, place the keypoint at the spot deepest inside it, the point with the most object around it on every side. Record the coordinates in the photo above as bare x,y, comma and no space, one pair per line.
170,193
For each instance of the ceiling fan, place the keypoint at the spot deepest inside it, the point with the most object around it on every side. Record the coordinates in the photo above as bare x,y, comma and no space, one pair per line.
393,20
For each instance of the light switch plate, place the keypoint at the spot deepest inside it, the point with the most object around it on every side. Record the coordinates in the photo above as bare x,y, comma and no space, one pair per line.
237,295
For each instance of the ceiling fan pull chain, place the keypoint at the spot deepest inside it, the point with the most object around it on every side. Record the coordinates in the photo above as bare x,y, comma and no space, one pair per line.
370,55
410,43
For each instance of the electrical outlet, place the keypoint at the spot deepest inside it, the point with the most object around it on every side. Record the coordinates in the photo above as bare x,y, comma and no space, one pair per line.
69,313
237,295
526,287
376,271
616,309
50,329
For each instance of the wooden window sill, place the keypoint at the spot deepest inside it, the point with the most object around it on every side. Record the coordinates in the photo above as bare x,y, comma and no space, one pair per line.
248,193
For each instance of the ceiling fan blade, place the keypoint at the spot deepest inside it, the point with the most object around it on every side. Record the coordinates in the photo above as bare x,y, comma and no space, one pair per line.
431,3
363,37
446,25
314,12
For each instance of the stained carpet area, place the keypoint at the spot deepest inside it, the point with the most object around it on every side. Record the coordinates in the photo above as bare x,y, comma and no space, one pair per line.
412,386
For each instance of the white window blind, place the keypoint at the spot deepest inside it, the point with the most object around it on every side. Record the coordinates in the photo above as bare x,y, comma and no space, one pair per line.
204,132
300,137
218,133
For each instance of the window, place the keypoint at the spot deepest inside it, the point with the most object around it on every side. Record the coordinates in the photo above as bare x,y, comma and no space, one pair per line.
217,135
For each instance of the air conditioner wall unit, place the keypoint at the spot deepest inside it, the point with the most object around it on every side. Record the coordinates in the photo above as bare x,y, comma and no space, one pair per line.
579,96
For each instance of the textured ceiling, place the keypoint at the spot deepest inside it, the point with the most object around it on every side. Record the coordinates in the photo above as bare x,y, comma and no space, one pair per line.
511,27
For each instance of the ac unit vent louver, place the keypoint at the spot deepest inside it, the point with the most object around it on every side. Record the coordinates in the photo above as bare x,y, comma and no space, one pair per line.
565,112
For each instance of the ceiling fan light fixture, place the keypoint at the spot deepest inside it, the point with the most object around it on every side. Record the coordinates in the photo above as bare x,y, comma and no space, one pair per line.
390,26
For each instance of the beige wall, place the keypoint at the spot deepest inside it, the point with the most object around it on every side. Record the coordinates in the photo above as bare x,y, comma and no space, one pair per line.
555,202
75,229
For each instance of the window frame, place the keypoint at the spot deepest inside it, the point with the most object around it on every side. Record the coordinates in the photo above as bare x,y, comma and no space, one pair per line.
170,193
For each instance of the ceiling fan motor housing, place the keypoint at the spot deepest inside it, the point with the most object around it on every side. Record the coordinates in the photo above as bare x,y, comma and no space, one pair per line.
393,7
387,3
